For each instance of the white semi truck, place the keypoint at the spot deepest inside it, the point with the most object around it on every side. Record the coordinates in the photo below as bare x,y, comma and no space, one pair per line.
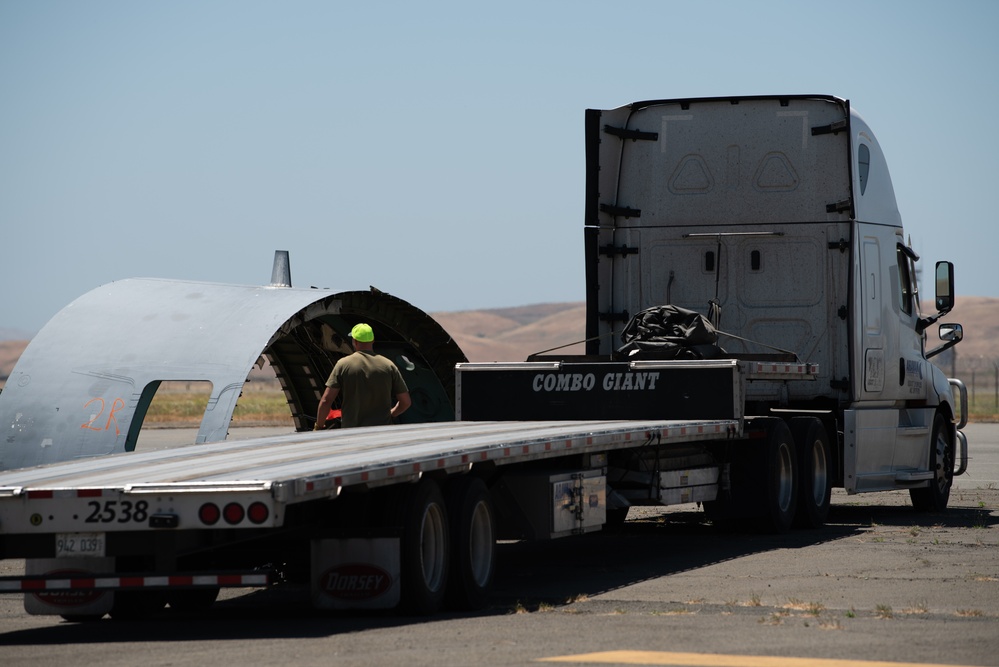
777,216
752,252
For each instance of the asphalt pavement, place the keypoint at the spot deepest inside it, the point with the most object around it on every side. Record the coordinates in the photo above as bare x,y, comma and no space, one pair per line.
879,583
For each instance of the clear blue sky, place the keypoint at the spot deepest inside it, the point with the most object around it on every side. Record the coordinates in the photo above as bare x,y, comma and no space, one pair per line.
432,149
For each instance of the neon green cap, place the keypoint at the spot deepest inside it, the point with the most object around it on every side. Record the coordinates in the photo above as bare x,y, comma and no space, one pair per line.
362,332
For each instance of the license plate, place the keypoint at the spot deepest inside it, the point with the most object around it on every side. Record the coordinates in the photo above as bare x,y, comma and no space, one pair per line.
69,545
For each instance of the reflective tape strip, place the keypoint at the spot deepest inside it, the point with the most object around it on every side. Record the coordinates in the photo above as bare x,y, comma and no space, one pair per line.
117,583
56,494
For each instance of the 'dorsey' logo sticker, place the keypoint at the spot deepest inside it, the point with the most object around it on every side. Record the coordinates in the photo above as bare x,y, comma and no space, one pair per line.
355,581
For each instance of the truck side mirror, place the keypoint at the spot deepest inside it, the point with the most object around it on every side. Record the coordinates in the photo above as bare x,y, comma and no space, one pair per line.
952,332
945,286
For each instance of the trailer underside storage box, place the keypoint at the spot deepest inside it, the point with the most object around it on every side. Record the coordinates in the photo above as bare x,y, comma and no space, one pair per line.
549,505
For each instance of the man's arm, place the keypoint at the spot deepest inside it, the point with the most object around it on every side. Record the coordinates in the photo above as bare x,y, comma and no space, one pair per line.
325,403
403,401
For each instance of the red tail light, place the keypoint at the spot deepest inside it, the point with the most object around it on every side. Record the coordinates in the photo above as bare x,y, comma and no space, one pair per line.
209,514
233,513
258,513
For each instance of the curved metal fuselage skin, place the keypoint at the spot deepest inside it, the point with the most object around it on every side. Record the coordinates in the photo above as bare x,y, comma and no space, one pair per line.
83,385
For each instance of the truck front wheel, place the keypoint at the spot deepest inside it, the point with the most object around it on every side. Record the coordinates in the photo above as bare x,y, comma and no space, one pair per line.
814,489
935,497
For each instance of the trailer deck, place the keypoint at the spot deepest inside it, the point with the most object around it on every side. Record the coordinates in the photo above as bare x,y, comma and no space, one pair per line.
288,469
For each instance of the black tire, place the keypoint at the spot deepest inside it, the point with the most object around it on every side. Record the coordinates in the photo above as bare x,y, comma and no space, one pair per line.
814,481
424,549
935,497
473,543
776,471
82,618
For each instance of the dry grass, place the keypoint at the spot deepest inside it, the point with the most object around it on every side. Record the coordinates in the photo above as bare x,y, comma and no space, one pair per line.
884,611
183,404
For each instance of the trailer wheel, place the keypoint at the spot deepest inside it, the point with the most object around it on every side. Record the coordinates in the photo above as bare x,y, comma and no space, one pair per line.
814,488
473,543
776,470
935,497
424,549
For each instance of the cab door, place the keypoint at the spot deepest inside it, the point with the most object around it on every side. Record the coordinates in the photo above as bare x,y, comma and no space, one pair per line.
870,424
888,437
912,372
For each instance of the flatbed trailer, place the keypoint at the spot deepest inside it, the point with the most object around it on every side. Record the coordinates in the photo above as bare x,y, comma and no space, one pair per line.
175,524
280,471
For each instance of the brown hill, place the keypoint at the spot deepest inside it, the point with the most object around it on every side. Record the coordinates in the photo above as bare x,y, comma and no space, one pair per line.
10,351
979,316
511,334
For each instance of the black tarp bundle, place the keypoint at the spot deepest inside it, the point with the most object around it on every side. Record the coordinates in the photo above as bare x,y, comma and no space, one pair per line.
669,332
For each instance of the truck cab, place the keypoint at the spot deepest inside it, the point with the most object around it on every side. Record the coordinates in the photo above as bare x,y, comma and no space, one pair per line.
775,218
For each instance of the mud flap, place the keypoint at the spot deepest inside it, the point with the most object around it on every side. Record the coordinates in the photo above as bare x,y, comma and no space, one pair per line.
356,573
70,602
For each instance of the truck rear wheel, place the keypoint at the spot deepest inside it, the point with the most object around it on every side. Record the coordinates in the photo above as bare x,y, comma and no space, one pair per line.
776,472
425,547
473,543
814,490
762,476
935,497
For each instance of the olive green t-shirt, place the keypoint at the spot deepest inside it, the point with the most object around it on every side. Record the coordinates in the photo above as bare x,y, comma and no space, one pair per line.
369,384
